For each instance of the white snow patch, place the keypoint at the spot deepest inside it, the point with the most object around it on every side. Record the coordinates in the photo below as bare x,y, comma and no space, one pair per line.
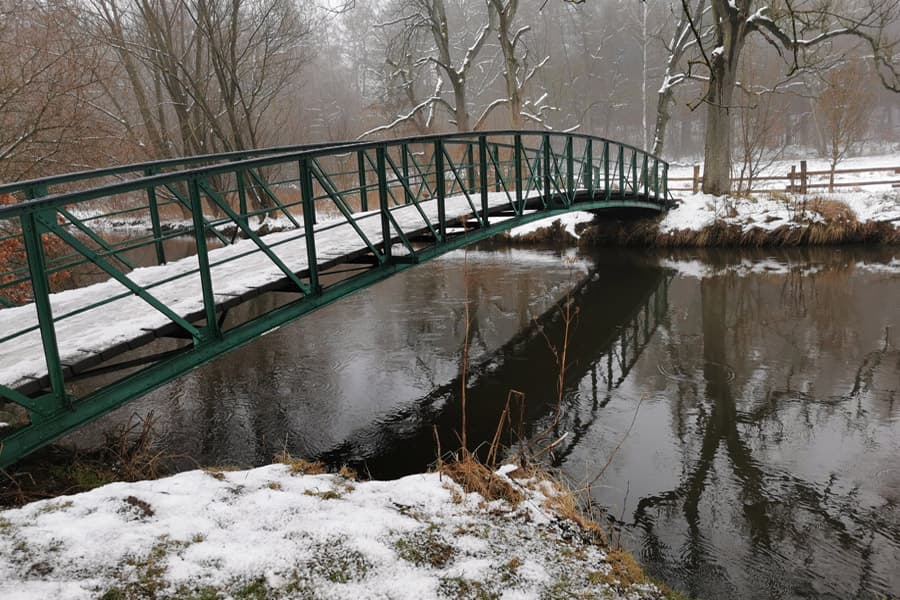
699,211
568,221
296,535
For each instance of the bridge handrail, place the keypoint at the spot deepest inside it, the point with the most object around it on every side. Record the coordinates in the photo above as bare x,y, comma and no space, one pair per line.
260,158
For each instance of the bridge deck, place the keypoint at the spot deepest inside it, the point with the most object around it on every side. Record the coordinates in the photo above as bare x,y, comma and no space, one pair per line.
239,271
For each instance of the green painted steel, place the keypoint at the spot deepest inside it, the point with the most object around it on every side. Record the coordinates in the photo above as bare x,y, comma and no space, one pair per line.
446,180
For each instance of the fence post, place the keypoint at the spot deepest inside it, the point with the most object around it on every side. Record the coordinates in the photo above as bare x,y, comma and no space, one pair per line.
803,180
791,177
696,184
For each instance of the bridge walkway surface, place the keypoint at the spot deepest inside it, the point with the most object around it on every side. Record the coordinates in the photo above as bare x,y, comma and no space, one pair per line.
67,356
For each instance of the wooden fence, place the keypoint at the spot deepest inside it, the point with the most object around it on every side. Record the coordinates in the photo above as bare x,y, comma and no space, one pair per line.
800,181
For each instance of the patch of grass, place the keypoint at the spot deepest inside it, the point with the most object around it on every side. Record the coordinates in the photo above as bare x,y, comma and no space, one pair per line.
204,593
326,495
218,473
347,473
428,549
52,507
337,563
89,476
6,526
461,588
300,466
140,507
624,573
274,485
255,590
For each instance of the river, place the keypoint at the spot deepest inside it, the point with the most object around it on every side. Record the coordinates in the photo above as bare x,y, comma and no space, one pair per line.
737,414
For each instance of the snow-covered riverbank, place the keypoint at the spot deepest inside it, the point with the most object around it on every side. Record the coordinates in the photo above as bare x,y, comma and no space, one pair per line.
759,220
271,532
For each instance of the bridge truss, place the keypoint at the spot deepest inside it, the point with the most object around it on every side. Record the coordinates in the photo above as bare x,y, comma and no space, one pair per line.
89,322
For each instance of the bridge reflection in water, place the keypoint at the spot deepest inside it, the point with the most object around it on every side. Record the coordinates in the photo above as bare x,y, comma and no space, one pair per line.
616,309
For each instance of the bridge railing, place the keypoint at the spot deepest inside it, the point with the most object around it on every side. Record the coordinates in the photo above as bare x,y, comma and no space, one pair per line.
84,254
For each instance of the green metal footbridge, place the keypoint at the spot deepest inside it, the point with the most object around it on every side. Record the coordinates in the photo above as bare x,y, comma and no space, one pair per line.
100,302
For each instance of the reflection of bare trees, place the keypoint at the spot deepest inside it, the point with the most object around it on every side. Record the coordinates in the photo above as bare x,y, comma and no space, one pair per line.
793,535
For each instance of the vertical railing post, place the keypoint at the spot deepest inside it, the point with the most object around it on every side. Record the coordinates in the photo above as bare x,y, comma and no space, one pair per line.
656,179
517,168
441,192
570,171
645,174
695,185
546,160
496,161
665,185
606,180
209,301
470,169
404,167
622,170
40,288
309,232
155,226
588,171
634,173
483,180
363,191
242,197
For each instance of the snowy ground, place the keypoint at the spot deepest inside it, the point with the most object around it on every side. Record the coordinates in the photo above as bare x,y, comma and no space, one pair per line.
268,532
698,211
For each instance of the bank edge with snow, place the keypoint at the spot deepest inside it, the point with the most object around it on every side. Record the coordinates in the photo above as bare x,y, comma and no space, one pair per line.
273,532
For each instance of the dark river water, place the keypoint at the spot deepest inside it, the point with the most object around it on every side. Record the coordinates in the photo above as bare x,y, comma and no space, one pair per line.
736,414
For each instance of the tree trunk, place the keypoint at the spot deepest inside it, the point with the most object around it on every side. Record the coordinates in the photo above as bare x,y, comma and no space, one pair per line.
717,149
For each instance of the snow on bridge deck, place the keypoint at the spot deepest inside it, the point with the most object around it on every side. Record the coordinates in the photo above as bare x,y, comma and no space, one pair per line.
84,330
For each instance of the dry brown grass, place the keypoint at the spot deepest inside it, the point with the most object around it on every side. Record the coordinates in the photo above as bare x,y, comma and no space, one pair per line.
474,476
625,572
300,466
129,453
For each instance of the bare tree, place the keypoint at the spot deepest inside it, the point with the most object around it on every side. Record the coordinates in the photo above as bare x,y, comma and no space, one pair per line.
205,71
517,71
796,30
47,88
453,56
759,134
681,43
843,109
